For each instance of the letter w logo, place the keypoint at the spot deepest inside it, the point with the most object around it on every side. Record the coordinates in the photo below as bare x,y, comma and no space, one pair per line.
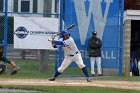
84,17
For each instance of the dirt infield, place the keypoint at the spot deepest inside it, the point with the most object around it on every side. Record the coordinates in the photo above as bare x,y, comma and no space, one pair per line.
67,82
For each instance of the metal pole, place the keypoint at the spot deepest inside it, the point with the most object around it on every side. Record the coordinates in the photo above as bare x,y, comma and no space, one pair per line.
61,18
5,26
121,36
59,51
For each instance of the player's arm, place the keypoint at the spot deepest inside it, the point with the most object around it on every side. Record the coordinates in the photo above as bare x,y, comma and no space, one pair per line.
99,43
53,44
57,42
90,44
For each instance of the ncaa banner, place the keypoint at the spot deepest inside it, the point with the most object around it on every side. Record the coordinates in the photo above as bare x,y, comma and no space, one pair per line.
34,32
101,16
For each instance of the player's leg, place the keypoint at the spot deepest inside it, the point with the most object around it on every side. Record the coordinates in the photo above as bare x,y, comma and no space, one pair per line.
66,62
2,68
79,61
92,63
98,62
85,71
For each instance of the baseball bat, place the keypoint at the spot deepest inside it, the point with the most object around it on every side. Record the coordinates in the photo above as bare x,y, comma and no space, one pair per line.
71,26
68,28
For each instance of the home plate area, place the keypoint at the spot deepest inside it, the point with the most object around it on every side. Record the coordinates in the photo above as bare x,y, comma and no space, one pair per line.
73,82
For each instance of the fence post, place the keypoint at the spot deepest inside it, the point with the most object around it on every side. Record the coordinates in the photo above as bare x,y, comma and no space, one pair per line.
44,59
61,18
5,26
121,36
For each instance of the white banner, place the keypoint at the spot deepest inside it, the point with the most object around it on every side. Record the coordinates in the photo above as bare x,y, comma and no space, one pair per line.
33,32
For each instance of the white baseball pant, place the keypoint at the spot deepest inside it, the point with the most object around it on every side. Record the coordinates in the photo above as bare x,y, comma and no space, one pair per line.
98,62
68,60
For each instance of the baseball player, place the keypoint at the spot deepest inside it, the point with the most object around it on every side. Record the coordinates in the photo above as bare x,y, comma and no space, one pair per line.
94,50
12,63
71,53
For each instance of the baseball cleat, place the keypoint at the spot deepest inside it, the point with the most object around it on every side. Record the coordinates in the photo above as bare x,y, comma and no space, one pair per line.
15,70
52,79
100,75
88,80
93,75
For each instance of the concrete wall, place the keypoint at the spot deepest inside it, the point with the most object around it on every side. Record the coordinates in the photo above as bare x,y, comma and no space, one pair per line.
126,47
110,71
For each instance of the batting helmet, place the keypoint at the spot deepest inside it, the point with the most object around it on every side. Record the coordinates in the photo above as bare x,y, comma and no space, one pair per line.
65,33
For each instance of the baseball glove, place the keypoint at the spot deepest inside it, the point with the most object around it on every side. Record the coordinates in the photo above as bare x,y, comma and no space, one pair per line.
15,70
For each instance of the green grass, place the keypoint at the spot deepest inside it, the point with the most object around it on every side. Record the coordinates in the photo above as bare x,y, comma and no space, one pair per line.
72,89
30,70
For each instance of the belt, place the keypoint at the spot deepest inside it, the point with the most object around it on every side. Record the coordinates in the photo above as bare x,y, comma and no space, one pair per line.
73,55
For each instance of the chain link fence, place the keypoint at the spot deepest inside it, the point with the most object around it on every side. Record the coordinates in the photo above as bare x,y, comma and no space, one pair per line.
30,60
